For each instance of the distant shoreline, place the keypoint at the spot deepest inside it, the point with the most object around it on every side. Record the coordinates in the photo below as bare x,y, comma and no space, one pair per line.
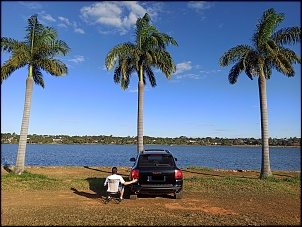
54,143
8,138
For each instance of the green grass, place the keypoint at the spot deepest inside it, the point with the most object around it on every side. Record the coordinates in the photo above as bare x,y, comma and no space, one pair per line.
27,181
200,168
244,186
32,181
227,185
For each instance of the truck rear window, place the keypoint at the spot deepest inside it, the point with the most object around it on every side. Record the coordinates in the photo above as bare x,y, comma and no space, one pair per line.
155,160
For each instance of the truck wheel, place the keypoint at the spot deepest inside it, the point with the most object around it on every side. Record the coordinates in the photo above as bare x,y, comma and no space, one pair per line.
133,196
178,195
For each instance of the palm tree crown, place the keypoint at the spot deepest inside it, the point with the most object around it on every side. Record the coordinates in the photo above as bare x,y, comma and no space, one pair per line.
149,50
38,51
267,52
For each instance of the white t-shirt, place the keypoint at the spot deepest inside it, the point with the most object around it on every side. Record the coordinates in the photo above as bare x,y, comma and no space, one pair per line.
115,177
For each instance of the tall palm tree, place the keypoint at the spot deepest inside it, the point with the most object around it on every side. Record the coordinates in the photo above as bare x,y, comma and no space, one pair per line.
149,50
38,52
267,53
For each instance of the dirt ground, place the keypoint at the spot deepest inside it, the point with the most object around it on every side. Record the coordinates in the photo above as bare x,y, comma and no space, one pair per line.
72,207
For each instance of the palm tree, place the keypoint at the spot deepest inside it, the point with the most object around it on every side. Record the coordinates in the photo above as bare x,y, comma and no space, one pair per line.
149,50
38,52
267,53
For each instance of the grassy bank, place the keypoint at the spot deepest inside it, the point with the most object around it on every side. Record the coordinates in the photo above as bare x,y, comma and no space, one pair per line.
210,178
72,196
50,179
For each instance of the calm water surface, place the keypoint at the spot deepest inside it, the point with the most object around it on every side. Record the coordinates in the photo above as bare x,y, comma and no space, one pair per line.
220,157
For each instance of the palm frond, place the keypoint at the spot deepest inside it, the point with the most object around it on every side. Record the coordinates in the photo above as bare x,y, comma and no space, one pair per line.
118,52
19,58
57,48
9,67
125,82
234,54
235,71
150,76
266,26
53,66
38,76
291,35
117,75
165,63
267,69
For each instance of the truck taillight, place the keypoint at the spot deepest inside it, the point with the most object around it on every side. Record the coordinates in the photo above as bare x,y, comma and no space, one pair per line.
178,173
135,174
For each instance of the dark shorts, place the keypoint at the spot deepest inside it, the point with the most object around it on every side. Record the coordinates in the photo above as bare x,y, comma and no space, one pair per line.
120,187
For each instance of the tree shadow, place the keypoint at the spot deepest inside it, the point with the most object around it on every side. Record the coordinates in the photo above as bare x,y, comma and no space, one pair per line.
99,170
7,168
206,174
222,174
96,185
108,172
144,196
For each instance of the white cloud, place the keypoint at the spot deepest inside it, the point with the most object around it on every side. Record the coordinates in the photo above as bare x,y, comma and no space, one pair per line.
101,13
77,59
47,17
78,30
199,5
211,71
62,25
182,67
67,23
64,20
189,75
120,16
32,5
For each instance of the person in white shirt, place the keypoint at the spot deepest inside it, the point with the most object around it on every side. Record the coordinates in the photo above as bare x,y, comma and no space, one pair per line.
123,183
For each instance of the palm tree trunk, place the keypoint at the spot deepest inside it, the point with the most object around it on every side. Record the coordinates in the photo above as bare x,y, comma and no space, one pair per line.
19,168
140,117
265,162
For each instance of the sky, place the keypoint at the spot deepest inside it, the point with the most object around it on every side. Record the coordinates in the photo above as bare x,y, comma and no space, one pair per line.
198,101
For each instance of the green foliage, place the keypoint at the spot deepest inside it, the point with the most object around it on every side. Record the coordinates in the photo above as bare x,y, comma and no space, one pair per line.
200,168
27,180
286,179
37,51
267,51
32,181
148,50
13,138
244,186
26,176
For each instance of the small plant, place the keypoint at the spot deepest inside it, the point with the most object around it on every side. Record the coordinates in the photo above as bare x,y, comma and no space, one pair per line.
287,179
200,168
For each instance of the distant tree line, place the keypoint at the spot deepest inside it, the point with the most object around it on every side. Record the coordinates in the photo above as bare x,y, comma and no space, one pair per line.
13,138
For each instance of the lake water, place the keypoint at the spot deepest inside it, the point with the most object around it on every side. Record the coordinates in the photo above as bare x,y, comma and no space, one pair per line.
218,157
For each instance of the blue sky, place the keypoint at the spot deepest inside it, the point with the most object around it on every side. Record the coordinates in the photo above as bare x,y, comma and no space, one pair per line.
197,102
